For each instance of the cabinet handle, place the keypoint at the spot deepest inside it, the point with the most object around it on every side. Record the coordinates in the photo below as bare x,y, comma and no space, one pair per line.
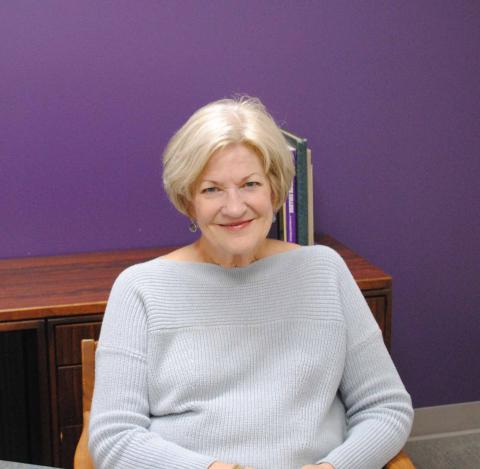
61,437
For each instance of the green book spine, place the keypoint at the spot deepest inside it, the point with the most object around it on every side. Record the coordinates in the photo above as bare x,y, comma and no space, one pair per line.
311,224
281,223
301,170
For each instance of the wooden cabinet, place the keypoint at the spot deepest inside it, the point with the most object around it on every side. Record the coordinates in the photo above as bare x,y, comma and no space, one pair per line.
24,415
47,306
379,302
65,365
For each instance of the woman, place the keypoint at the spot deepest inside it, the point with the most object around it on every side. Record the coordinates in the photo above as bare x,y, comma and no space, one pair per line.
239,350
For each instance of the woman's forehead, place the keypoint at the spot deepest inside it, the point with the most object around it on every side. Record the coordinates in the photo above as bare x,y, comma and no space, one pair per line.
233,158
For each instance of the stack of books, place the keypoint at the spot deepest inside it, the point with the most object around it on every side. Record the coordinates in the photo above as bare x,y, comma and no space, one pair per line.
295,222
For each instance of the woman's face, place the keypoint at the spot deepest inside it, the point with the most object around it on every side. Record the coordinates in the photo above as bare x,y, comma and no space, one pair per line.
232,202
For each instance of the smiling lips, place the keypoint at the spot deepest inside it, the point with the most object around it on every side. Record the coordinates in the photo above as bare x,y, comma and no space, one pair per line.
237,226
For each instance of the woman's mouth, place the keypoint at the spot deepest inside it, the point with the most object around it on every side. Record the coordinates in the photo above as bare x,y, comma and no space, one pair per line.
236,226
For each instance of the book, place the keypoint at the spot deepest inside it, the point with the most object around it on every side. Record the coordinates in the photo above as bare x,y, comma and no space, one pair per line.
291,209
311,224
275,228
301,181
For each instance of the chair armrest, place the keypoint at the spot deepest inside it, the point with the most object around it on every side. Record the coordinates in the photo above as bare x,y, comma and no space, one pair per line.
400,461
82,458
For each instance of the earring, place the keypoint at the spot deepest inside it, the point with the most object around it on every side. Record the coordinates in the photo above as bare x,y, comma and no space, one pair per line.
193,227
274,218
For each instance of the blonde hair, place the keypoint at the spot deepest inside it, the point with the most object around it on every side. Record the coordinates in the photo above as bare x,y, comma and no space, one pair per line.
225,122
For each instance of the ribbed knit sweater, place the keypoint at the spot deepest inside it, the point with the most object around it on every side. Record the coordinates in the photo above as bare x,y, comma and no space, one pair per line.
274,365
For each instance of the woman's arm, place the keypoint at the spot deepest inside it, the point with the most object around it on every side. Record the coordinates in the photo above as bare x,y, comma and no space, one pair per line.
120,415
378,408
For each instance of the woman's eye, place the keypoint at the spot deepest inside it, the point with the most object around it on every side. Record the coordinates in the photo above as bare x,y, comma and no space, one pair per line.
252,184
209,190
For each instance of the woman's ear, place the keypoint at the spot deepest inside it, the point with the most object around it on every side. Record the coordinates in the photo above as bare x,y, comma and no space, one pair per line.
187,206
190,210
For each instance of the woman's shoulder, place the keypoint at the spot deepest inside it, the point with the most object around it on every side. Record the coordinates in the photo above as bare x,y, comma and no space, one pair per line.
275,246
147,272
316,251
182,254
315,258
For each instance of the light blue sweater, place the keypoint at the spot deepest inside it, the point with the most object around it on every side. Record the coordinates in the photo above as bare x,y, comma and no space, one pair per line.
274,365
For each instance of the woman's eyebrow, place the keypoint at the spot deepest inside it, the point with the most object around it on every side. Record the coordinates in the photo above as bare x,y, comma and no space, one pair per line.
212,181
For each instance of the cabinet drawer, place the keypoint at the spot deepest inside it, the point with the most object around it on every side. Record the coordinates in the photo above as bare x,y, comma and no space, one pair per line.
69,395
378,305
68,338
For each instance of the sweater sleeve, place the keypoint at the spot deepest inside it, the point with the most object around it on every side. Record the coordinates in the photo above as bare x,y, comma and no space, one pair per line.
120,418
378,408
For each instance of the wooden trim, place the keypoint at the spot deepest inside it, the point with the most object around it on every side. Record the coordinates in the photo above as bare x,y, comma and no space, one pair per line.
21,325
53,394
52,311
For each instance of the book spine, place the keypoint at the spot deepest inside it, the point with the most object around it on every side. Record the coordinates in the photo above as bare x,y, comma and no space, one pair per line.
273,233
302,192
282,223
301,175
311,227
291,208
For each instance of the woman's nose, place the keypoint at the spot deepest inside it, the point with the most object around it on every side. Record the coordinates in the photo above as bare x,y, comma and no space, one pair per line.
234,203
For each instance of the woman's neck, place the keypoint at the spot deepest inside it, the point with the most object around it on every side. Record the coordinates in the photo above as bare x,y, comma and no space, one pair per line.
207,253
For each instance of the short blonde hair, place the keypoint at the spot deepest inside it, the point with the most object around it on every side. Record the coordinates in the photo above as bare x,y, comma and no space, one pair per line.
225,122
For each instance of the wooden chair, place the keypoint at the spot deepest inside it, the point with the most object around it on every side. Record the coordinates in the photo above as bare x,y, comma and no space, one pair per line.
82,459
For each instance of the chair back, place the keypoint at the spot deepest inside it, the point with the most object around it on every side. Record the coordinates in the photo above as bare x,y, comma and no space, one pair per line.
88,372
82,458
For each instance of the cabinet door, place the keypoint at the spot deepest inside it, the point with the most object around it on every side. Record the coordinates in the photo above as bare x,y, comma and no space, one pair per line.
65,336
377,305
379,302
24,417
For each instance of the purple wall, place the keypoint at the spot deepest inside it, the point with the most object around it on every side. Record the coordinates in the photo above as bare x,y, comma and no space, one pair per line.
388,94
